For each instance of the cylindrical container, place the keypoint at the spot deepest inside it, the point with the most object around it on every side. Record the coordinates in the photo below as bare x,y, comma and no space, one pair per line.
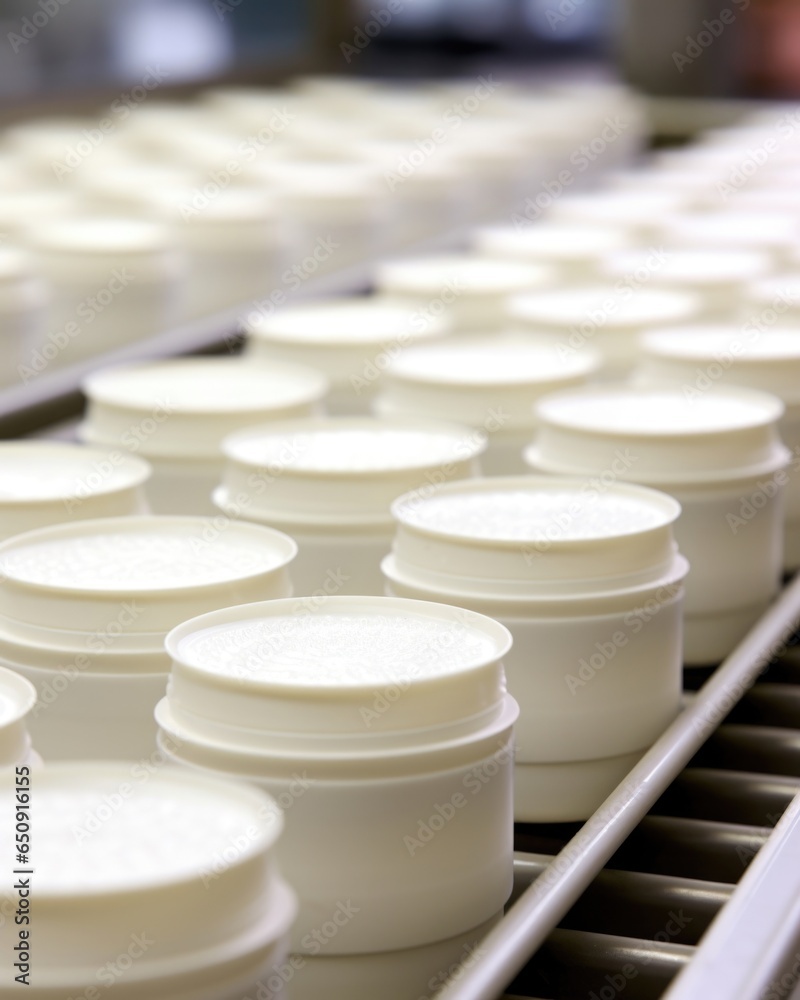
23,213
352,340
608,318
475,290
144,880
488,383
24,300
47,482
771,300
113,281
587,579
383,729
717,279
232,238
699,358
86,606
17,699
330,484
719,454
175,413
574,251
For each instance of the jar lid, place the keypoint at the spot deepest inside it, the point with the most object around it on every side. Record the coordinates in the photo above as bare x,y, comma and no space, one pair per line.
17,698
186,406
692,268
120,578
99,236
465,380
664,435
347,322
780,292
604,307
623,208
43,472
532,537
469,275
550,241
296,678
340,470
183,860
766,359
767,230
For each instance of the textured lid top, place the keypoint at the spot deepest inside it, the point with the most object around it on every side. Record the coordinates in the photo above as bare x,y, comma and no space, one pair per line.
496,360
669,412
345,321
532,537
166,833
665,434
570,307
693,267
264,676
137,576
342,470
42,471
550,241
206,385
470,275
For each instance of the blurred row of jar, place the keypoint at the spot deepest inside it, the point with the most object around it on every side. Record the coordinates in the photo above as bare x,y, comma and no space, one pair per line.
133,221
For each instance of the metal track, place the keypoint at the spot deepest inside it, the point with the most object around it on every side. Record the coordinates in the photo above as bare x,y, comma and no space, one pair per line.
621,905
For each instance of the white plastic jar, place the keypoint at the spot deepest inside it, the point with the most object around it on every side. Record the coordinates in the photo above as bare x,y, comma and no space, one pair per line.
720,455
474,289
329,483
17,699
127,889
699,358
86,606
383,729
588,581
176,413
24,301
114,281
487,383
718,279
575,252
640,213
48,482
352,340
608,318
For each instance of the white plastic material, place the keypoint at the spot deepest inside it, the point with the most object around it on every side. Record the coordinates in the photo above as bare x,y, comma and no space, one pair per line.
85,608
352,340
330,484
718,278
176,413
766,358
639,212
575,251
607,318
775,296
382,727
772,232
489,383
47,482
24,299
587,579
158,883
474,290
17,698
720,455
114,281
